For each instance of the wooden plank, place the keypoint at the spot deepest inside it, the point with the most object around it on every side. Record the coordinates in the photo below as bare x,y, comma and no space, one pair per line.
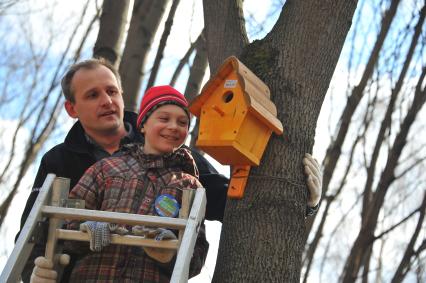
114,217
22,250
186,250
129,240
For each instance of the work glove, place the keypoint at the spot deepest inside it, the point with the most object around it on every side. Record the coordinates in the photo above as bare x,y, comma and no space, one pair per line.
99,233
313,180
118,229
153,233
43,271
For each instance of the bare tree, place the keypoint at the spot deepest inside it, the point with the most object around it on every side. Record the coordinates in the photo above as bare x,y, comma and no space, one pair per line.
159,55
41,115
145,19
111,30
296,60
185,59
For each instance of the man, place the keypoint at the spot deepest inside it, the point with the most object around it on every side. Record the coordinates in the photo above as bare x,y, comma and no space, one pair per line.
93,93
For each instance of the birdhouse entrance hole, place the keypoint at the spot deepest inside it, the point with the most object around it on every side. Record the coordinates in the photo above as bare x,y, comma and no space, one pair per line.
227,97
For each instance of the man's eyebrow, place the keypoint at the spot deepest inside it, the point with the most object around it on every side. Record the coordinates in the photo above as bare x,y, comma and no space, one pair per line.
89,90
113,86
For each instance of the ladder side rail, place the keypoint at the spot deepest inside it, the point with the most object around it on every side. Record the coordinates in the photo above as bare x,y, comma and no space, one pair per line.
186,249
187,198
60,189
22,250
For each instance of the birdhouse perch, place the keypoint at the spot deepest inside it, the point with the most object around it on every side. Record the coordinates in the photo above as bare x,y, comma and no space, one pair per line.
237,119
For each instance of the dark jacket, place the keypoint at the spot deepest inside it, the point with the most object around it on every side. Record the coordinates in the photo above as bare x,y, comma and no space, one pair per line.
74,156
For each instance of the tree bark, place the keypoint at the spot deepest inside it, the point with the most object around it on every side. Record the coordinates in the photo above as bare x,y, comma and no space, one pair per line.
263,234
224,30
111,30
145,19
196,75
198,69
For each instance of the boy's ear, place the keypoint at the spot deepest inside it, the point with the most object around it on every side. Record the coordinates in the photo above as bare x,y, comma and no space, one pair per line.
69,107
142,130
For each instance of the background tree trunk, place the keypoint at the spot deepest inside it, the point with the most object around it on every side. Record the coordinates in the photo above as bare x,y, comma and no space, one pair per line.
162,46
145,19
111,30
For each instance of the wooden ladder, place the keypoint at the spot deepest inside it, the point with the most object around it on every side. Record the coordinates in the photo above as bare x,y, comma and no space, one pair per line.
50,203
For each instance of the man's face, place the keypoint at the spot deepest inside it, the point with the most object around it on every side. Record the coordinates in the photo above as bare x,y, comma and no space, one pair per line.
98,101
165,129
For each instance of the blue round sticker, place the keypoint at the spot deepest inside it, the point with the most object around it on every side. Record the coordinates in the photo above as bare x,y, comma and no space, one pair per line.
166,205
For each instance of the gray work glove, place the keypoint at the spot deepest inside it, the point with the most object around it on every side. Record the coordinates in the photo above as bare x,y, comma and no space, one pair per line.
313,180
99,233
164,234
157,233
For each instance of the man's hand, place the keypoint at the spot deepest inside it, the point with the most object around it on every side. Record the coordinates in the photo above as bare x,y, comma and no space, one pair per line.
313,180
43,271
161,255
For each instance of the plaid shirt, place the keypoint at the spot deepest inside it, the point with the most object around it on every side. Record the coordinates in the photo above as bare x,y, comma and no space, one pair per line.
130,183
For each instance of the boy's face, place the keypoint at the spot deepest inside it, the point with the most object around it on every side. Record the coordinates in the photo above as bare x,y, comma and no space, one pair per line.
165,129
98,101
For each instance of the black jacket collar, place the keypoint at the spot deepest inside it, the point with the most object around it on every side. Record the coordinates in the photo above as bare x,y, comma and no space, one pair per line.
77,142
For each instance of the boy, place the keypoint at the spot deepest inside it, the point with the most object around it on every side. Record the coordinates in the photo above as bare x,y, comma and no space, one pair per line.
133,183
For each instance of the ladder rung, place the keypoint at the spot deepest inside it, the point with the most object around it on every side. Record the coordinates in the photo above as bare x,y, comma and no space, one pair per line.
113,217
129,240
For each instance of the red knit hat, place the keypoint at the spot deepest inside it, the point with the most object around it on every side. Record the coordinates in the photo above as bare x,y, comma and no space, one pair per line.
160,95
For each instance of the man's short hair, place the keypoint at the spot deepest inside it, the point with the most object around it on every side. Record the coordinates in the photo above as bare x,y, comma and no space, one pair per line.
89,64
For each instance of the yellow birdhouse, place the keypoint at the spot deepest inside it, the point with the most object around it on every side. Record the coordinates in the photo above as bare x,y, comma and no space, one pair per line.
237,119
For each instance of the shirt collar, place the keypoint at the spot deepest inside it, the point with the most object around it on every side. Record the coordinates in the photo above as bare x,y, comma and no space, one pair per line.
100,153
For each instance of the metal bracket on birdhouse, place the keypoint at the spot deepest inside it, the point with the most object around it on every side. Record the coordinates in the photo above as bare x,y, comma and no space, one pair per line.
238,182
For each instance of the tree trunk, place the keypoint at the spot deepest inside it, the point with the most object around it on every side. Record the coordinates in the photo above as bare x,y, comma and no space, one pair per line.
196,75
224,30
198,69
263,234
146,17
404,264
365,237
162,46
335,148
41,130
185,59
111,30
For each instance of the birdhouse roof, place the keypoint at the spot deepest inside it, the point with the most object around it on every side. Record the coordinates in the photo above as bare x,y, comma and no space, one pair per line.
255,92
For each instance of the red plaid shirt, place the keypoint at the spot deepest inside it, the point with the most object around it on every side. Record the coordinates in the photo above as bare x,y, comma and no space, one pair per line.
131,183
